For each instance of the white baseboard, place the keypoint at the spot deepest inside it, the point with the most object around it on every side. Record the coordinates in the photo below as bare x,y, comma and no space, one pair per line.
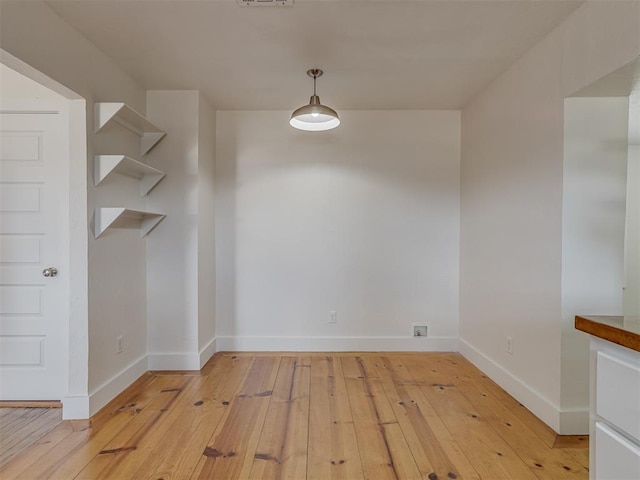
575,422
114,386
337,344
75,407
207,352
174,361
81,407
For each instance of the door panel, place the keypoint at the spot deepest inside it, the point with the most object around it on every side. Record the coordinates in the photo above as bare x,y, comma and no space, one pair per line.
33,236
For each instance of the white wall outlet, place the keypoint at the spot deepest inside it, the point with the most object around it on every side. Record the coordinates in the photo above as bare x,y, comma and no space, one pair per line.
120,344
510,345
419,330
333,316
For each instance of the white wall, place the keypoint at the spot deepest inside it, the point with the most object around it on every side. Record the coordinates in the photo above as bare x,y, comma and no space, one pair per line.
206,230
180,273
631,296
361,220
173,256
14,85
593,226
511,205
33,33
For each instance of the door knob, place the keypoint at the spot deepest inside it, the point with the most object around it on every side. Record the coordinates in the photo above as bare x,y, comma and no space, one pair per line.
50,272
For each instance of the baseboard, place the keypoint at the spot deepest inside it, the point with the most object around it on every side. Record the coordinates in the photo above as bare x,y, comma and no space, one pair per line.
574,422
75,407
563,422
207,352
183,361
113,387
174,361
540,406
337,344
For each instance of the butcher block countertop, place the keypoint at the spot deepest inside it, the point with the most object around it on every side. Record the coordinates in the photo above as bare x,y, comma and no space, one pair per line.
624,331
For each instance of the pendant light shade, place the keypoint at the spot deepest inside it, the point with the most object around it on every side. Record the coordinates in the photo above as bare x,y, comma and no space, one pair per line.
314,117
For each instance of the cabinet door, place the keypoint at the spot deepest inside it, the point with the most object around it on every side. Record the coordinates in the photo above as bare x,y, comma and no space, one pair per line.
616,457
618,394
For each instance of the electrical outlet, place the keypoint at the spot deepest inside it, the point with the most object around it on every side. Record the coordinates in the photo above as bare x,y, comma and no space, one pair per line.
419,330
510,345
333,316
120,344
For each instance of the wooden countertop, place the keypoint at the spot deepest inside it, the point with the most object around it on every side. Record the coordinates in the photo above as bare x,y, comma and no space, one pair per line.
624,331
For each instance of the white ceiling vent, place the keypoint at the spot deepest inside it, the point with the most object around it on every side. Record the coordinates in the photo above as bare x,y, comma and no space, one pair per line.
265,3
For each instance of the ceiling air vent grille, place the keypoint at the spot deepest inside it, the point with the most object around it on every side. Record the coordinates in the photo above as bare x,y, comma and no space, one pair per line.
265,3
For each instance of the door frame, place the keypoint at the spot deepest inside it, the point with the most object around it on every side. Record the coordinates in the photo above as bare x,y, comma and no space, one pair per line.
75,402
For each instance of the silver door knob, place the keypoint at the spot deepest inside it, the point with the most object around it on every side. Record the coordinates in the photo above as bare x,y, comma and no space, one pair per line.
50,272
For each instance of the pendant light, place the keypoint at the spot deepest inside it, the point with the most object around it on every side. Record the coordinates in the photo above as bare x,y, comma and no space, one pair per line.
314,117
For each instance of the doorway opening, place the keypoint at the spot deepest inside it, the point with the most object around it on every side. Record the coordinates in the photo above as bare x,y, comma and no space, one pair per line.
43,224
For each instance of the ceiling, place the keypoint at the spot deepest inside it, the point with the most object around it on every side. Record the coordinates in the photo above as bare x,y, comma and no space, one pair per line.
376,54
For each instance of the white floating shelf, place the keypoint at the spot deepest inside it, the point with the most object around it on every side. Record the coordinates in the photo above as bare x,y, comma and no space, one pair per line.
126,116
105,165
117,217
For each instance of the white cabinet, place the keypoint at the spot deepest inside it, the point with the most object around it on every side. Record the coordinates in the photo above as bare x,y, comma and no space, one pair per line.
617,458
618,393
615,412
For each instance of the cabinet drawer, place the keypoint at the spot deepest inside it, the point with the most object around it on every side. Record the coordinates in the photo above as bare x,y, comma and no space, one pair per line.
616,457
618,393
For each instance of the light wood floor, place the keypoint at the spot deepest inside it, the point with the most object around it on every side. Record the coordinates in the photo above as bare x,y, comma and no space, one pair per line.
320,416
21,427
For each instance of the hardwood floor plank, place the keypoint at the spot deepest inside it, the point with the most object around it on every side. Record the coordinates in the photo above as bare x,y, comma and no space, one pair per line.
333,448
126,465
20,418
127,440
383,449
234,443
178,452
581,455
350,367
36,451
571,441
29,404
69,457
28,433
135,396
303,416
546,463
430,450
282,449
488,453
468,373
485,398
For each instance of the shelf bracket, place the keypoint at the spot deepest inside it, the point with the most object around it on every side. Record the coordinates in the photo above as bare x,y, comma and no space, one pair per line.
121,113
105,165
119,217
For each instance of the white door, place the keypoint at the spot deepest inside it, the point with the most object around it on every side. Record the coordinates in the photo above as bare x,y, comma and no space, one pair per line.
34,212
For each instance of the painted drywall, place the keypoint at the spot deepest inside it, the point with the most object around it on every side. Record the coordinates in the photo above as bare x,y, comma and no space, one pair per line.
593,228
173,250
206,229
361,220
33,33
511,206
14,85
180,266
631,294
